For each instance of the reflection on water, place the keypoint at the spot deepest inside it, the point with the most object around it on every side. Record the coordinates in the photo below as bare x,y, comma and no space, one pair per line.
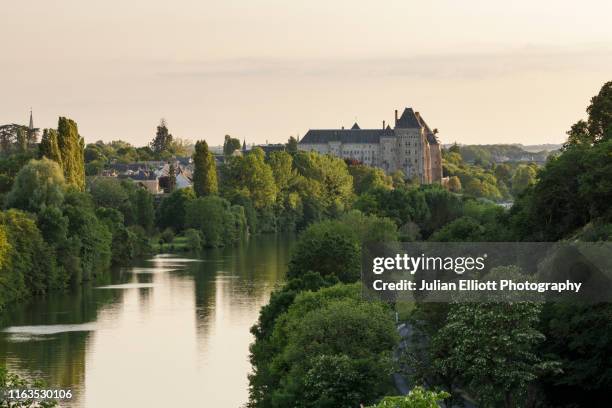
172,331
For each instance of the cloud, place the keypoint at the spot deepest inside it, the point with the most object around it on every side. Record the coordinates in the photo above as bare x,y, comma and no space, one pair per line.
456,65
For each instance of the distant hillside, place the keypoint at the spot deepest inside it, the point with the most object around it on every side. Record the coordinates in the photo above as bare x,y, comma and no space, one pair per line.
549,147
501,153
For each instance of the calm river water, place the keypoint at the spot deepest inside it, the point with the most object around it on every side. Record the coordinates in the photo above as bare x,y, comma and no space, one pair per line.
172,331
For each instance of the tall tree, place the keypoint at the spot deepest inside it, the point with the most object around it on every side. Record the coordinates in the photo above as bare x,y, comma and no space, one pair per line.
21,140
230,145
71,147
205,170
292,145
143,209
281,164
600,114
163,139
598,127
48,146
171,178
524,176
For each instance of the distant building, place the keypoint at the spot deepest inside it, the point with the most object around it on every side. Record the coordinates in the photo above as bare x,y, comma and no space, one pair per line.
153,175
410,146
269,148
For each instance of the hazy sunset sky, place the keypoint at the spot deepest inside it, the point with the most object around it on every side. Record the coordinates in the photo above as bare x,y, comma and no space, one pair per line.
479,71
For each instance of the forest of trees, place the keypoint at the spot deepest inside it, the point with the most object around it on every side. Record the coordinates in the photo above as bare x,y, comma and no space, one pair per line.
501,355
317,343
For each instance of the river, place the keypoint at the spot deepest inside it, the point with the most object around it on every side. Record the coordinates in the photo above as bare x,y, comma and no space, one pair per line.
171,331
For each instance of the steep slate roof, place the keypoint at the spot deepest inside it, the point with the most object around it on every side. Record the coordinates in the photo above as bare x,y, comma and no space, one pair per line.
408,120
345,135
431,137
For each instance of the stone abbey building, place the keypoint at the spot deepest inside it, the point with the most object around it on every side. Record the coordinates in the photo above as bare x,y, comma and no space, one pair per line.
410,146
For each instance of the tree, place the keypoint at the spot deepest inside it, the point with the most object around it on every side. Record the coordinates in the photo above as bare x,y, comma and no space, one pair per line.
418,397
22,140
171,211
578,336
163,139
454,184
109,192
216,219
333,247
399,179
281,164
292,145
492,347
143,209
5,247
330,349
328,184
205,170
523,177
38,184
29,267
171,178
71,148
230,145
91,238
598,127
503,172
571,191
600,114
328,248
366,178
252,177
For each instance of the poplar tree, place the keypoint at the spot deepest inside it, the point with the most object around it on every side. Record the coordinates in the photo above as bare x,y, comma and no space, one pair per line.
205,171
71,147
171,186
49,148
21,141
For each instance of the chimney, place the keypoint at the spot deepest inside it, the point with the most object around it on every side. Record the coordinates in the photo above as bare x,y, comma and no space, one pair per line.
342,127
396,117
383,125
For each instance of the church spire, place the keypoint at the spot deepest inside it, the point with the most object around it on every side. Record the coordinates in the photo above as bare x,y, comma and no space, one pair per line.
244,145
31,121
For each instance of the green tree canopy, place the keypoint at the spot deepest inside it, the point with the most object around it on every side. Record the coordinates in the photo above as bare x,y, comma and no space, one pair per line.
205,170
39,183
230,145
172,209
71,147
492,347
418,397
250,176
49,146
330,349
367,178
163,139
524,176
292,145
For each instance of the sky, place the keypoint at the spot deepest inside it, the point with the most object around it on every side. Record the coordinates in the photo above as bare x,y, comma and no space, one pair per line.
480,71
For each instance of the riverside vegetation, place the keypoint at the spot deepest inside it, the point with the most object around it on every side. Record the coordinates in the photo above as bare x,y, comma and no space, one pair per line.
317,344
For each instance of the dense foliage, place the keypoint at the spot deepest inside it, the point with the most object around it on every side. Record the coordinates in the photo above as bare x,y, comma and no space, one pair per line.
204,170
317,344
514,354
